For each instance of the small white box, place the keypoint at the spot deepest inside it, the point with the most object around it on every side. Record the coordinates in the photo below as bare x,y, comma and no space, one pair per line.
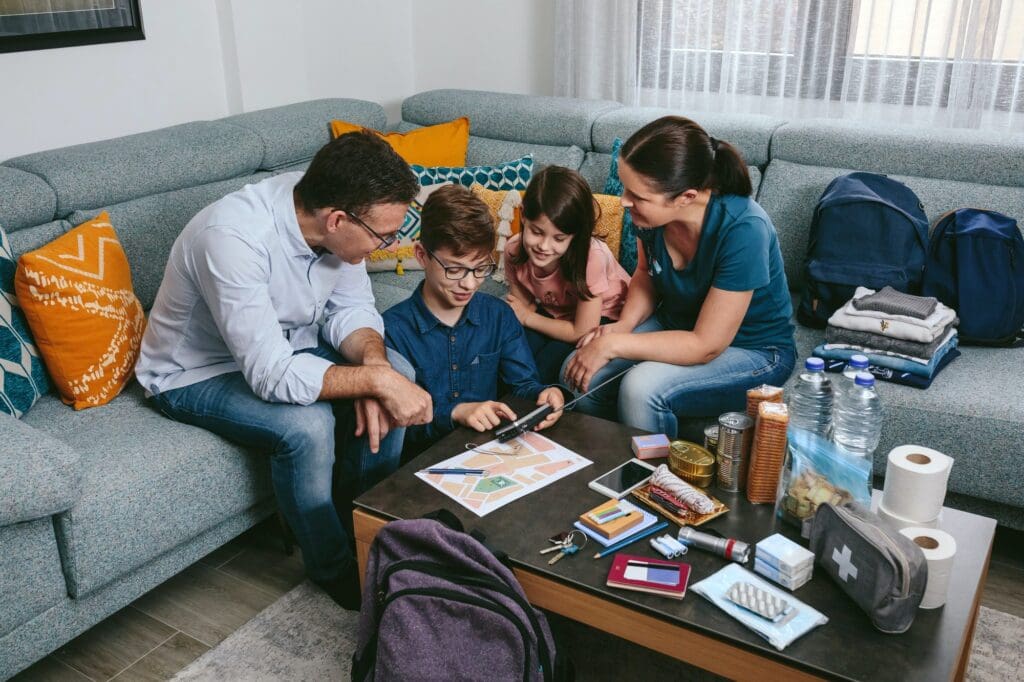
784,555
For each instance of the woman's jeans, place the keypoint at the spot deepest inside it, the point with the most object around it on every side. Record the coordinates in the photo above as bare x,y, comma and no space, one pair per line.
303,442
654,395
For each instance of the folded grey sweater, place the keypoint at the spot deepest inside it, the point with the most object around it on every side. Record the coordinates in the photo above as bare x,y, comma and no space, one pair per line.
888,300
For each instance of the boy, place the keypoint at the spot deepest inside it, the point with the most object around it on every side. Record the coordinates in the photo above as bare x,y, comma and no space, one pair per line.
460,341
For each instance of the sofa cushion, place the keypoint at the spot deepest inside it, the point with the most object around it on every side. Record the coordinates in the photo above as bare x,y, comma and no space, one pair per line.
552,121
25,199
23,377
39,475
295,132
149,485
790,191
98,174
973,412
30,577
76,293
979,157
750,133
147,227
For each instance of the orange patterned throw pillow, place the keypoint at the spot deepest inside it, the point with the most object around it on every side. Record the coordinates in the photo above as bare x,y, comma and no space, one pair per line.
76,293
444,144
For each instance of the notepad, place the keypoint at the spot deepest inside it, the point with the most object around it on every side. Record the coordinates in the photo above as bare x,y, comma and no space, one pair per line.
649,520
624,517
654,576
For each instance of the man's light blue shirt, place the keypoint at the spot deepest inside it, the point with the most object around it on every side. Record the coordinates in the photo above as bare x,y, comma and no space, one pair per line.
242,291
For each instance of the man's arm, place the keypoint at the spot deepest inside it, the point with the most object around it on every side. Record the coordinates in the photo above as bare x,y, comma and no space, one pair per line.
364,347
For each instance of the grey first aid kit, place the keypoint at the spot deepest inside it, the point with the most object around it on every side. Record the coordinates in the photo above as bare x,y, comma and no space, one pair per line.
881,570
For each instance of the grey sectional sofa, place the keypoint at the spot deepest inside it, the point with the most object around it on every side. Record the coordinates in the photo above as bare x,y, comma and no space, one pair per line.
97,507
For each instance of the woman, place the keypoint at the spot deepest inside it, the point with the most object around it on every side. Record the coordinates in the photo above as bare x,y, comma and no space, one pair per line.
707,314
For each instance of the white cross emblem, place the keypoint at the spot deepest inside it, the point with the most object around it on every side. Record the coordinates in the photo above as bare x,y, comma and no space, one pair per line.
844,562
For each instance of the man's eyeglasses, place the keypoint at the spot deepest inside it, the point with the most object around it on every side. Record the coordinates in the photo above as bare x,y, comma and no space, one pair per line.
385,242
458,272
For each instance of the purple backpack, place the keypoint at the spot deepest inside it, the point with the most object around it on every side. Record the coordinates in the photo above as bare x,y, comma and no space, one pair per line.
439,605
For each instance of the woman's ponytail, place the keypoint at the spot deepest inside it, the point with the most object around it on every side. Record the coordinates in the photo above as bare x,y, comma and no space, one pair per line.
730,174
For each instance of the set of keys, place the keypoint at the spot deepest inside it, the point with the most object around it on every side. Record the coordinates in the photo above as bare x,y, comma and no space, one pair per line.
564,544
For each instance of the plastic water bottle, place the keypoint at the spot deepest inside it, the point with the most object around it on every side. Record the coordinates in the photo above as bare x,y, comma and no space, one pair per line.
856,363
858,424
810,401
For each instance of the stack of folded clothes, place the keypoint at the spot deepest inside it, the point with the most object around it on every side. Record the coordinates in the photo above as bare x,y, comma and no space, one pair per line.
907,339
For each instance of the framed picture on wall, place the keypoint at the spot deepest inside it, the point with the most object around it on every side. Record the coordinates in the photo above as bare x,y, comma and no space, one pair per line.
42,24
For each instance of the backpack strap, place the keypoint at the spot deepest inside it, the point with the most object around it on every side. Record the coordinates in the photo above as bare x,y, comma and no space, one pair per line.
446,518
500,555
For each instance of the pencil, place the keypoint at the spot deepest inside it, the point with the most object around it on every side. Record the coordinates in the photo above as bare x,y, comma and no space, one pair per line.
631,539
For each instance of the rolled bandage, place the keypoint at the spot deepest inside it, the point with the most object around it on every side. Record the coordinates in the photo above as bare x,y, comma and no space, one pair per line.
681,490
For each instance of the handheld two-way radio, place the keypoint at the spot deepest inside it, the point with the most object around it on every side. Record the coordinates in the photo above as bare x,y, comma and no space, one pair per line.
525,423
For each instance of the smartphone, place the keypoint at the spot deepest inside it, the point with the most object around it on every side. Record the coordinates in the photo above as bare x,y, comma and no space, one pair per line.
623,479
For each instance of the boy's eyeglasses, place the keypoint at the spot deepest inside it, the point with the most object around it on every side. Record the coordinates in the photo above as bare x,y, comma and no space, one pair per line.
458,272
385,242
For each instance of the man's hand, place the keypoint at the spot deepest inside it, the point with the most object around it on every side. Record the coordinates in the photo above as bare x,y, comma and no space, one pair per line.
406,403
553,397
482,416
521,308
372,420
588,360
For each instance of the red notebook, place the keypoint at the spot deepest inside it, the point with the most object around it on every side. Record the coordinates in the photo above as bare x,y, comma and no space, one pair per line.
643,574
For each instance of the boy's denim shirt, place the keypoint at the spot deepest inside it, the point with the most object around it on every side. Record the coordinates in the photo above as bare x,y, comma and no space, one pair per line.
463,363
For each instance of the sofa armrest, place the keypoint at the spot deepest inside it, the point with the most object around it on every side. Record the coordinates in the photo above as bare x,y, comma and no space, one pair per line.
39,475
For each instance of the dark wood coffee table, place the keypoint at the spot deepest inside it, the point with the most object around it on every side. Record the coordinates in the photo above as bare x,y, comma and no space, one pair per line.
695,631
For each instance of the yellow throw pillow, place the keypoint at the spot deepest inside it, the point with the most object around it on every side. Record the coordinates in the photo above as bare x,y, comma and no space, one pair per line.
76,293
609,223
444,144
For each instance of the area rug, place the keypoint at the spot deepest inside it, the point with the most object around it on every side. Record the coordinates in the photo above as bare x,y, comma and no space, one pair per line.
305,636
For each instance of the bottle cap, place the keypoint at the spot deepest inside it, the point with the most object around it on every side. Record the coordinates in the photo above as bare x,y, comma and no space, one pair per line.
859,361
814,364
864,379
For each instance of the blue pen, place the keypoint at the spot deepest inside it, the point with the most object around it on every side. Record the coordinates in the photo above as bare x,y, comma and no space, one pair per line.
465,472
630,540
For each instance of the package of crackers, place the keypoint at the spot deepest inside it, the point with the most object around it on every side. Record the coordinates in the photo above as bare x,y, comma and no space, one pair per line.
762,394
768,453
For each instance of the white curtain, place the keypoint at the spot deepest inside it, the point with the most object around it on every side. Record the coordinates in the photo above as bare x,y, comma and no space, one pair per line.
957,63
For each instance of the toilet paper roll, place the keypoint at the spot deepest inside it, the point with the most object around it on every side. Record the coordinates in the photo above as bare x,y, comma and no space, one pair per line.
939,549
915,482
898,522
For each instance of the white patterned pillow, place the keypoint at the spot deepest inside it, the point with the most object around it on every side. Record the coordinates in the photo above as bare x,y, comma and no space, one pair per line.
23,377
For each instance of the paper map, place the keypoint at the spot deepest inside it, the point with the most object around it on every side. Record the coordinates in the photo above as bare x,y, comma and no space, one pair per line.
525,464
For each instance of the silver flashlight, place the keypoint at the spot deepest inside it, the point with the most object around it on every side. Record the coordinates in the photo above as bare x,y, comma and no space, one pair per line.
730,548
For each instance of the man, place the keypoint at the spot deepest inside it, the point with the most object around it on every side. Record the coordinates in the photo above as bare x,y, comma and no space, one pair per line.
264,331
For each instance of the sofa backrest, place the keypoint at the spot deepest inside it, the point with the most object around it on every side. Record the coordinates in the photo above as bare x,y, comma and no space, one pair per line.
947,169
556,130
153,183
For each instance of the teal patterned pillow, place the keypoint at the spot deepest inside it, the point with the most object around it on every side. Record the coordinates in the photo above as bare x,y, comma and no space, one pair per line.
22,374
627,245
509,175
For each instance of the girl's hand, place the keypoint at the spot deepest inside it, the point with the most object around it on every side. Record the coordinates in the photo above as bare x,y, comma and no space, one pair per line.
520,307
600,330
553,397
482,416
588,360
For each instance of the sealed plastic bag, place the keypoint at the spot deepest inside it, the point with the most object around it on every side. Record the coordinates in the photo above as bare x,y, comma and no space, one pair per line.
818,471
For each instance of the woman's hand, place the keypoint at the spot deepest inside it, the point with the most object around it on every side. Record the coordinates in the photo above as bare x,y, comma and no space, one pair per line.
588,360
600,330
521,308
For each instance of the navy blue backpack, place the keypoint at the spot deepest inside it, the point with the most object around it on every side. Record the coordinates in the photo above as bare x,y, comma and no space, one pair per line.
976,266
868,230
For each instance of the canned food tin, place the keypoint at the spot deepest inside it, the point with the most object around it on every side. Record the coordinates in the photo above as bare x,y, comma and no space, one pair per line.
735,434
689,459
711,438
702,481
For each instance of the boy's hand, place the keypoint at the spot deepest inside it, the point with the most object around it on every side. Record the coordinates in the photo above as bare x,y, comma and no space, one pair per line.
520,307
482,416
553,397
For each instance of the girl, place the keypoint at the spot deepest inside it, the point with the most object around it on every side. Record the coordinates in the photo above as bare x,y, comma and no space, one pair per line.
562,281
709,283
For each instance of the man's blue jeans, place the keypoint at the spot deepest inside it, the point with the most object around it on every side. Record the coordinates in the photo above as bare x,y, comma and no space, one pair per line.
653,395
304,442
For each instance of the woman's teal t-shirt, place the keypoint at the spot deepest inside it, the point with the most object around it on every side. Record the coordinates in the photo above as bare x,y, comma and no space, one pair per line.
738,250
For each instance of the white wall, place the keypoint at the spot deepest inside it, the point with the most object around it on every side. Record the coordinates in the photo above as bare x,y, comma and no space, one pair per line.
53,98
205,59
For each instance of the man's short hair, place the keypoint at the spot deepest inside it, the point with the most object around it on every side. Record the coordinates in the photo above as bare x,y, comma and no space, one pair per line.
354,172
455,218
